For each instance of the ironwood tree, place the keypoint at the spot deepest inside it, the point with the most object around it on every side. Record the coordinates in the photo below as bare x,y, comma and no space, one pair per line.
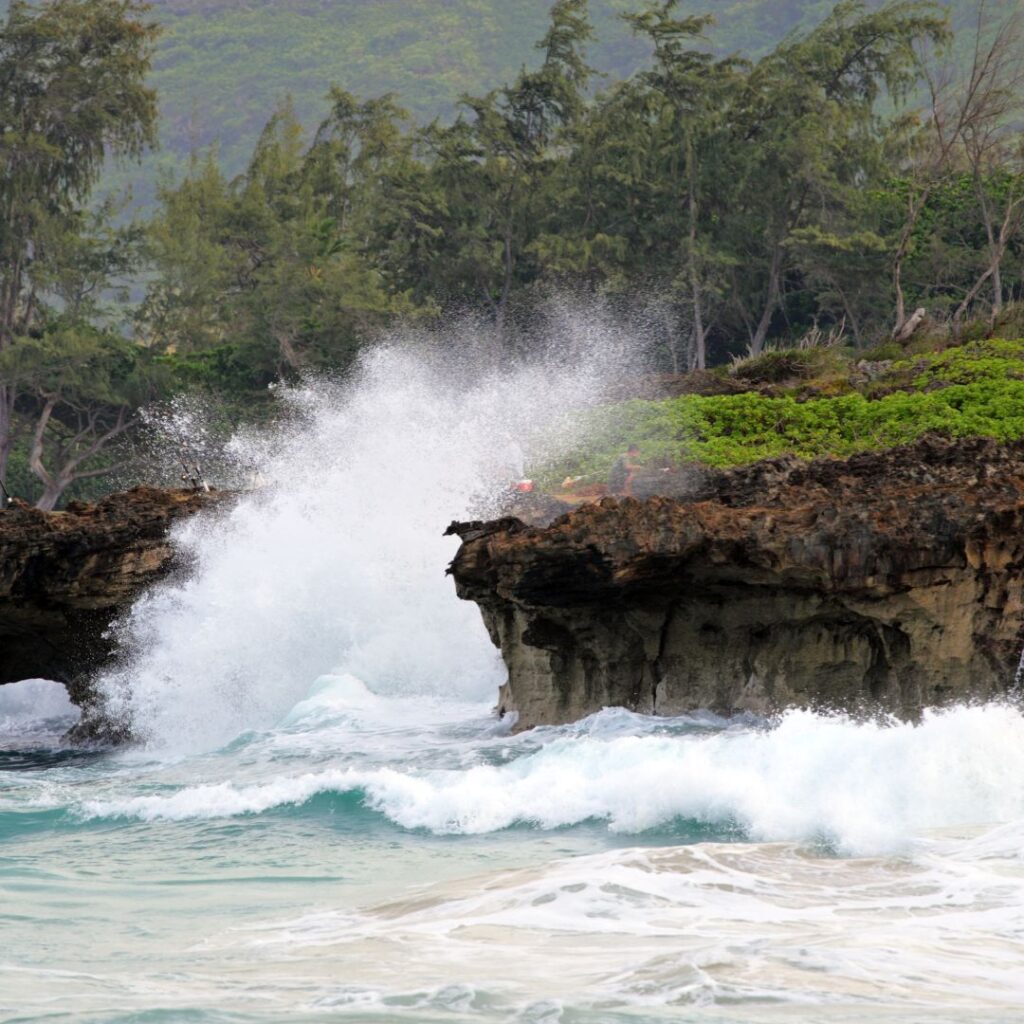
72,92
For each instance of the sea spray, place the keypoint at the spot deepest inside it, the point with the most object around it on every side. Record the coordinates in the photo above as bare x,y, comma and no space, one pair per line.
337,564
34,712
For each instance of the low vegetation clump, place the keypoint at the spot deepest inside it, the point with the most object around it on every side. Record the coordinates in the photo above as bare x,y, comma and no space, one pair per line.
778,366
993,360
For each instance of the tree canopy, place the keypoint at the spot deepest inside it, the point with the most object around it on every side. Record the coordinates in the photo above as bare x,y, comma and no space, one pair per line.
72,92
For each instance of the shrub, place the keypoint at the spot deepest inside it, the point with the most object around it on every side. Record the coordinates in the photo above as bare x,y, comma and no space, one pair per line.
777,366
887,350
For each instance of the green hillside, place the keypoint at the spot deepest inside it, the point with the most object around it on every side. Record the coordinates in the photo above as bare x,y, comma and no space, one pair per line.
223,65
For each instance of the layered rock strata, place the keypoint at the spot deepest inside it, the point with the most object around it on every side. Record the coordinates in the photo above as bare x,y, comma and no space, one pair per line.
65,576
889,581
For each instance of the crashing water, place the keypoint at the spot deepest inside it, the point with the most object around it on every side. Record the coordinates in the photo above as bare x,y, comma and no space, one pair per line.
326,821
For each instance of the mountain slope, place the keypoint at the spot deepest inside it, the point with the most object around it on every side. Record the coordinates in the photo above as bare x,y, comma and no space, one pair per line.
223,65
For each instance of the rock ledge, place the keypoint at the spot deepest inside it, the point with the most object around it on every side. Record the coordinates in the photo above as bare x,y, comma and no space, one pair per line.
64,577
889,581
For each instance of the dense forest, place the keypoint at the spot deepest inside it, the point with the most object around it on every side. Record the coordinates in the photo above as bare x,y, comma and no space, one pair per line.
858,182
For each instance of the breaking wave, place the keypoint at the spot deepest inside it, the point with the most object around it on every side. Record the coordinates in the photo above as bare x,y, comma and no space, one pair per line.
861,788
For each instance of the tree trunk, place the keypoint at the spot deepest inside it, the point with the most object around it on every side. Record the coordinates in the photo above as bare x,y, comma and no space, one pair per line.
699,353
997,280
9,303
6,427
10,289
774,274
901,302
52,492
971,295
51,487
902,250
997,249
287,349
508,264
858,341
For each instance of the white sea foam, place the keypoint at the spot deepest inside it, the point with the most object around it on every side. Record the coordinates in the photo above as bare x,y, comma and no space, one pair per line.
713,923
866,788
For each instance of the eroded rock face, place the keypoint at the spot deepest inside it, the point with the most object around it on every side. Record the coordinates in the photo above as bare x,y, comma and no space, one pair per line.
64,576
888,581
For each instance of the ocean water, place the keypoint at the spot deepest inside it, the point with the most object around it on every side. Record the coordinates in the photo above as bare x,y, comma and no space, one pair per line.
323,820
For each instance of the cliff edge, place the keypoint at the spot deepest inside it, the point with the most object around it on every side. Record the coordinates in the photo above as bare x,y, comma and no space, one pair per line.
891,580
64,577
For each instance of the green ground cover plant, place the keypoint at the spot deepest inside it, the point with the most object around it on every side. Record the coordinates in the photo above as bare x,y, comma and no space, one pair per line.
975,390
994,360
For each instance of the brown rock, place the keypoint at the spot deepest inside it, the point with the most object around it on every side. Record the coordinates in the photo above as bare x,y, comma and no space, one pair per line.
64,577
889,581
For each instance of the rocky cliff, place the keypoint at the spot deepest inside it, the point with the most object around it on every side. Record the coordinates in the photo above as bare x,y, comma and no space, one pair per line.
64,576
887,581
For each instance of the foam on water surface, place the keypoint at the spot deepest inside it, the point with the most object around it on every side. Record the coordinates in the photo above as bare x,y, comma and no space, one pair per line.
708,924
496,877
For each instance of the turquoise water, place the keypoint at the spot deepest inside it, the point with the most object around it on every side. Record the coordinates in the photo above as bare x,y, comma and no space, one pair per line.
322,820
377,859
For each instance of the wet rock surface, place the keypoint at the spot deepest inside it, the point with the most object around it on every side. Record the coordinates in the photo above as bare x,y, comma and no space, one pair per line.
889,582
65,576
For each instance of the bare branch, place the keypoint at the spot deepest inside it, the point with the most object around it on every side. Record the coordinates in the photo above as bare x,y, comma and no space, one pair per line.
101,470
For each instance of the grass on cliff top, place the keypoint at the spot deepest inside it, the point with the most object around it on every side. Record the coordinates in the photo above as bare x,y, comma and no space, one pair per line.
975,390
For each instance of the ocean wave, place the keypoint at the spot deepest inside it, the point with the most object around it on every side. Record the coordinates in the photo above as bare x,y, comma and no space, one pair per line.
862,787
